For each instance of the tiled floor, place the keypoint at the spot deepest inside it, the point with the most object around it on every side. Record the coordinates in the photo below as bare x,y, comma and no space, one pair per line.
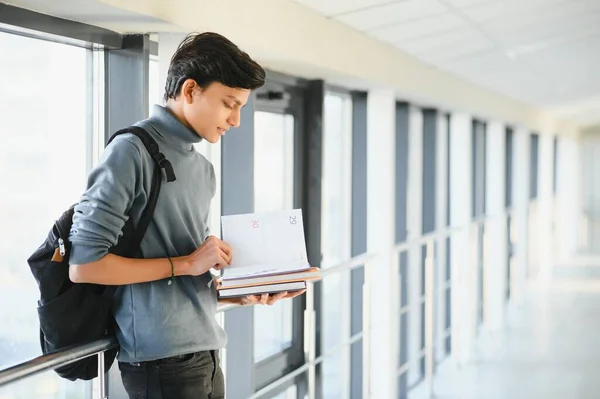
550,348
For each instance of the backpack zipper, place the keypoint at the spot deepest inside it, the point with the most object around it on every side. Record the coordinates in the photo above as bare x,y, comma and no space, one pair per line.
61,247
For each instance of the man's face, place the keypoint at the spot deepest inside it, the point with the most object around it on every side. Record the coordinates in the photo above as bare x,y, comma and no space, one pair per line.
212,110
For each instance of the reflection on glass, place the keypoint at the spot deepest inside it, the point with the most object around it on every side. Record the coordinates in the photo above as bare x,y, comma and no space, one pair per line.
43,115
336,239
290,393
154,90
47,385
337,180
273,191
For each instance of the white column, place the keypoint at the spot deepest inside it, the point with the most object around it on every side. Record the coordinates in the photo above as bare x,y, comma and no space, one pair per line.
441,211
381,109
414,224
545,206
496,248
463,316
569,197
521,211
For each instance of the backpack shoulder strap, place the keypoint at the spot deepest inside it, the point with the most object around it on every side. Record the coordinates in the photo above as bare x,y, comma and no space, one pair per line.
152,147
161,163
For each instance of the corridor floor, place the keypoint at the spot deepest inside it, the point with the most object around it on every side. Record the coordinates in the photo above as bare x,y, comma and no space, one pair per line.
550,348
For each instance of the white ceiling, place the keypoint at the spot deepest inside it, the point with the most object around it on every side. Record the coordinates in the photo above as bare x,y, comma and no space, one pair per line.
542,52
95,13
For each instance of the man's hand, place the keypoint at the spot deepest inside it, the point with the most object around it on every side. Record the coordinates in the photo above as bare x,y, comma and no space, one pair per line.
269,299
213,253
264,299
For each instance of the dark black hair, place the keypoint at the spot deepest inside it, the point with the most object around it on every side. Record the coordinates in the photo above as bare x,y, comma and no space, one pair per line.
209,57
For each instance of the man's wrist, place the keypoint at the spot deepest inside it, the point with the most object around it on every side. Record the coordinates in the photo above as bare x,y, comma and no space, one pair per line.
181,265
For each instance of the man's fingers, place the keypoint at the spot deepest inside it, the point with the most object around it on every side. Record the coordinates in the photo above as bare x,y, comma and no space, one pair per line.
250,300
264,298
225,247
226,256
221,261
276,297
294,294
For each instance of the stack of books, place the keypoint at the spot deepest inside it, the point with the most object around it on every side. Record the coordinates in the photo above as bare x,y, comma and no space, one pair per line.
271,284
268,255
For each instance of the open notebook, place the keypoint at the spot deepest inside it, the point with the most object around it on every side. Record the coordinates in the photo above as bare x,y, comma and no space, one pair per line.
265,244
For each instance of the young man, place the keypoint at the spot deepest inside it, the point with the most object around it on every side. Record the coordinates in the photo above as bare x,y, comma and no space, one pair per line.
168,335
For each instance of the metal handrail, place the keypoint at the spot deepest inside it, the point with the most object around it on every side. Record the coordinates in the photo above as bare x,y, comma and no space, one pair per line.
54,360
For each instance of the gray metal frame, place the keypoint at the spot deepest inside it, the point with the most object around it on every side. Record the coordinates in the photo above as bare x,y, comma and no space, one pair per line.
401,234
46,27
430,126
312,202
359,235
126,83
534,165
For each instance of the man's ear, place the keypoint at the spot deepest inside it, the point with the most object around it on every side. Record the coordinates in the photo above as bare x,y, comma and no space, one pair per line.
187,90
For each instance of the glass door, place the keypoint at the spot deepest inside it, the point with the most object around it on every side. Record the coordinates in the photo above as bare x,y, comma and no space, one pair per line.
273,191
278,123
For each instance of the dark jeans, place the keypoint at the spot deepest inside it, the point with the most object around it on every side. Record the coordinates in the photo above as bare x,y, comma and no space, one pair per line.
196,375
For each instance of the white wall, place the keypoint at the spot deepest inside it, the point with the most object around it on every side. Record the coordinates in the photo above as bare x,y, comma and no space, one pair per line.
545,206
568,197
521,172
380,234
441,211
495,262
463,317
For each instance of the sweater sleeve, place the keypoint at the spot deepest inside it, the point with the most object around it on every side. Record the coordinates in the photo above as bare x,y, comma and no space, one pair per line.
104,207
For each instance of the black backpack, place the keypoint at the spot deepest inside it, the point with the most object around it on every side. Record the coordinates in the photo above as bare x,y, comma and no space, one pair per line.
75,314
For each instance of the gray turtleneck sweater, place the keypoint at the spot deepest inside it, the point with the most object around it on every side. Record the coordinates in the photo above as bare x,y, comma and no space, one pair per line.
155,320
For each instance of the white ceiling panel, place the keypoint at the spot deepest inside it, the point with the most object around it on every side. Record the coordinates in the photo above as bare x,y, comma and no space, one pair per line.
448,53
422,27
456,37
480,64
530,42
337,7
470,3
511,9
541,52
550,16
392,13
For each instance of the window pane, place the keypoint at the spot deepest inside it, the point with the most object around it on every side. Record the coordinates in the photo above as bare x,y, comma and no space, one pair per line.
43,115
337,180
273,191
154,91
290,393
336,241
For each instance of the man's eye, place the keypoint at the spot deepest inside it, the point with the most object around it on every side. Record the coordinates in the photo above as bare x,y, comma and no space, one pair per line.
227,105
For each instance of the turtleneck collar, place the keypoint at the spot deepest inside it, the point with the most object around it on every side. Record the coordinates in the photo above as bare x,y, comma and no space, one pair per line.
172,129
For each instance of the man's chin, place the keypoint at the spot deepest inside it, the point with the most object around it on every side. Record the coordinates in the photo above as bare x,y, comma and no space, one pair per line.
213,139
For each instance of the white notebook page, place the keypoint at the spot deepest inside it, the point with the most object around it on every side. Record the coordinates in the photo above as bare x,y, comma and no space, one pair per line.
265,243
